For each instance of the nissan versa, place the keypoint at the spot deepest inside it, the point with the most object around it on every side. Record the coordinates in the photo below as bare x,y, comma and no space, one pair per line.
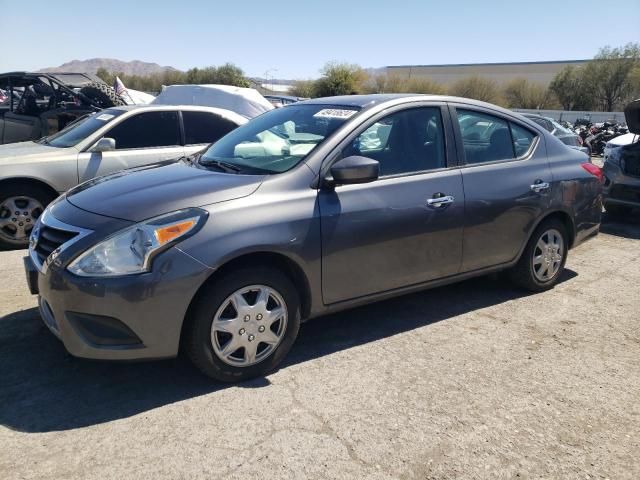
308,209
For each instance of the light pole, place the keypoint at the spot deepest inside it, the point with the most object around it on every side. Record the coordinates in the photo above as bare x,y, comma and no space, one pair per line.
266,77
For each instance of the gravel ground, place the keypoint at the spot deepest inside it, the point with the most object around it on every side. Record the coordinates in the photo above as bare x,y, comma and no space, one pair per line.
475,380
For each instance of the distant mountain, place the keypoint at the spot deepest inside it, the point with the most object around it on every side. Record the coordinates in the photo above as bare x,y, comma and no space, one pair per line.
135,67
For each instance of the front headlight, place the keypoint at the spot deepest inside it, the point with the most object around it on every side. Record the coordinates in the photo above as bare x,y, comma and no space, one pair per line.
131,250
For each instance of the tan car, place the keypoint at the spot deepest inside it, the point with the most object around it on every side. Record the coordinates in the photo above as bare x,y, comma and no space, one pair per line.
33,173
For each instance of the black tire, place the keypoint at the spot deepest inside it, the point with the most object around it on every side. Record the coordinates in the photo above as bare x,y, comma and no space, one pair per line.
104,95
523,273
7,233
197,332
617,211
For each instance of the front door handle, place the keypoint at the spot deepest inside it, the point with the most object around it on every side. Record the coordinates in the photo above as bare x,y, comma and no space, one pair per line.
437,202
540,186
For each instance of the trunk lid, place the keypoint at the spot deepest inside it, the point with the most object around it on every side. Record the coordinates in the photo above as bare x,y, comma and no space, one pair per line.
632,116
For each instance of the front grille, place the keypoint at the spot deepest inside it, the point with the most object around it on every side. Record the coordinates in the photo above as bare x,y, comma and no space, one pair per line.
49,239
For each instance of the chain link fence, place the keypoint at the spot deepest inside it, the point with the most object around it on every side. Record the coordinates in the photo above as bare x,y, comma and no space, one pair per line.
572,116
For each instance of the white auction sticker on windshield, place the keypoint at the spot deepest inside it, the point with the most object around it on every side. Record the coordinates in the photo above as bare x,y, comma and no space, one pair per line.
335,113
104,117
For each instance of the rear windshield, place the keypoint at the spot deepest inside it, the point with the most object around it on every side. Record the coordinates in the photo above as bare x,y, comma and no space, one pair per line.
81,129
560,128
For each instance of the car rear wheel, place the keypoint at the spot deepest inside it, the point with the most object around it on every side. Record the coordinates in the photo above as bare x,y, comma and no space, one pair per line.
543,259
20,207
243,324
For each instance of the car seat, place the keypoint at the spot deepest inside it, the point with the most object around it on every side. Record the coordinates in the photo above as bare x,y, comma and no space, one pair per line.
500,146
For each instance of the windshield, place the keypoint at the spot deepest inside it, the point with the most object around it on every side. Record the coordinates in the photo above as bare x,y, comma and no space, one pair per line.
278,140
74,133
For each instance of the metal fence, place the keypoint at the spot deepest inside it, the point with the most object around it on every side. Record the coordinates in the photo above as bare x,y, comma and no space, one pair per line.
572,116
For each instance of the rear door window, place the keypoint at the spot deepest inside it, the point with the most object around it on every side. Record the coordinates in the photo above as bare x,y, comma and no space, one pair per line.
488,138
485,138
147,130
205,127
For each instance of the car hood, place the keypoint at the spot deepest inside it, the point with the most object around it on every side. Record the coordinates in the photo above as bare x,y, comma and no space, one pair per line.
632,116
142,193
31,151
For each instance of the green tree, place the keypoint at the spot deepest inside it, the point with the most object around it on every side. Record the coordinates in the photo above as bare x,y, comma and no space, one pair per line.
520,93
105,75
572,90
609,74
634,79
230,74
340,79
302,88
478,88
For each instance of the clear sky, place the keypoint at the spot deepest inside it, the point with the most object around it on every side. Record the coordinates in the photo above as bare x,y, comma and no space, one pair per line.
298,37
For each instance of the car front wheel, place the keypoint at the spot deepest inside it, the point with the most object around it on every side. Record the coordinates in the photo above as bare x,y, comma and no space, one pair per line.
243,324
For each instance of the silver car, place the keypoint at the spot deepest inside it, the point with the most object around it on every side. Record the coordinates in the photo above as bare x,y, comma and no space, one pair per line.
33,173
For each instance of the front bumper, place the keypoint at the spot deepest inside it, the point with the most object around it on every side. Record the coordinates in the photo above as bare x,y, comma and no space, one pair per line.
119,318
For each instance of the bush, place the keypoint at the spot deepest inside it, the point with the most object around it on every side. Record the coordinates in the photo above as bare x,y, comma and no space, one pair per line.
520,93
397,84
478,88
340,79
303,88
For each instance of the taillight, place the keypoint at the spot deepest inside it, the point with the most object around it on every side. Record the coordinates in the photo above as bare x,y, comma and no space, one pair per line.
579,140
594,170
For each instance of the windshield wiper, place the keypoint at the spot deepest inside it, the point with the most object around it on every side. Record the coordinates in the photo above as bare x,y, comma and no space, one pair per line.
224,166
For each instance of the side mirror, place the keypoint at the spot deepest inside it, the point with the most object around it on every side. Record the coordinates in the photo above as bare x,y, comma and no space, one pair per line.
354,169
105,144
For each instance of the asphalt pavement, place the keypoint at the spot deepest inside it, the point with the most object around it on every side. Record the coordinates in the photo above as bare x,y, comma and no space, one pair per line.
474,380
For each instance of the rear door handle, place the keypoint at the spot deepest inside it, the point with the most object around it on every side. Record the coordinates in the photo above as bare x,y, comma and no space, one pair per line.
438,202
540,186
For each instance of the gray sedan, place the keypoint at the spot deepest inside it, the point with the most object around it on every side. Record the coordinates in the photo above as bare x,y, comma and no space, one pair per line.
565,135
34,173
308,209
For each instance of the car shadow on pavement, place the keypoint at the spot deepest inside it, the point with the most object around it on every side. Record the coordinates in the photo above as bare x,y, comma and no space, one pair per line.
43,389
628,227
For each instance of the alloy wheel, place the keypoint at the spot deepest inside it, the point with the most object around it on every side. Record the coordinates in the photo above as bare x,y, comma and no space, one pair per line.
249,325
547,255
17,217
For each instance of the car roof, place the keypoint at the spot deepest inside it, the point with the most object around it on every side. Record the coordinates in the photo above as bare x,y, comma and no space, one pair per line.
69,79
365,102
362,101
